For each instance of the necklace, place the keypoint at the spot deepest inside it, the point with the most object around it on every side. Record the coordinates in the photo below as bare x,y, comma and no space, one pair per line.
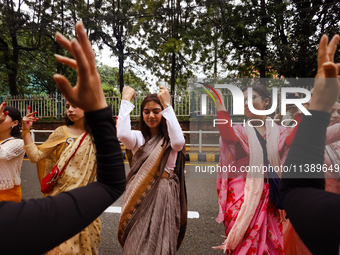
75,130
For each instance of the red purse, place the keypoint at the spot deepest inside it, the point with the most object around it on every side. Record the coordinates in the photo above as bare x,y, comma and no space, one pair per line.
49,180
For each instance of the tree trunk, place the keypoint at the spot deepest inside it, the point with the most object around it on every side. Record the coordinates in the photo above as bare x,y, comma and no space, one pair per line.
12,76
173,79
13,66
121,66
263,47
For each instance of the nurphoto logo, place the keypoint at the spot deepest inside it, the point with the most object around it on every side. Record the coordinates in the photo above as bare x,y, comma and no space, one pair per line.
238,102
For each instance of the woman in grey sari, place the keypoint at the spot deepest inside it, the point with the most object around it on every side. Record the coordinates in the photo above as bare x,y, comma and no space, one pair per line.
154,211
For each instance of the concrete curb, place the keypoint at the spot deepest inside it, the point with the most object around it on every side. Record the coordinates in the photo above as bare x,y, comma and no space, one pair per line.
206,157
203,157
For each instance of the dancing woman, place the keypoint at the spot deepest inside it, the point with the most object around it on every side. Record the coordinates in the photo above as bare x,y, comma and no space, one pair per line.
154,210
80,170
252,223
11,154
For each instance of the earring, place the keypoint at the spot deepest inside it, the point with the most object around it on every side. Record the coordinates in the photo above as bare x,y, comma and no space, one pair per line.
12,127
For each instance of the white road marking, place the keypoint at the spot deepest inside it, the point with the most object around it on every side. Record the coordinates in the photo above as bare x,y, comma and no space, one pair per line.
117,209
114,209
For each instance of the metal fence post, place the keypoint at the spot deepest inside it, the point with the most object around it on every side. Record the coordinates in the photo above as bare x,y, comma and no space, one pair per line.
200,141
192,114
33,135
59,105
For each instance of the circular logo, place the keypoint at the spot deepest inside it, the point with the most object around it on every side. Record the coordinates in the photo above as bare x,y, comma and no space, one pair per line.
69,140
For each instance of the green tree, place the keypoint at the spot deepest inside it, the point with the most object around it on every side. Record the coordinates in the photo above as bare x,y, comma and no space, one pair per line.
113,26
297,34
166,30
110,80
13,23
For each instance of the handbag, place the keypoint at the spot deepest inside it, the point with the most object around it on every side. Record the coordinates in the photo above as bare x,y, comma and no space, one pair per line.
49,180
273,179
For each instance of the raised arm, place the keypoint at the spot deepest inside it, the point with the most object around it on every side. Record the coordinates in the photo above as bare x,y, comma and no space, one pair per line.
35,154
226,130
303,196
128,137
177,140
68,213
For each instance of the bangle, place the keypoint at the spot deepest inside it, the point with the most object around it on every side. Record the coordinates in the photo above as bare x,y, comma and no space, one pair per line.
25,132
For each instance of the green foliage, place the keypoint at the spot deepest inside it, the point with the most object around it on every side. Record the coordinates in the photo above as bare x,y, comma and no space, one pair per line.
110,80
172,39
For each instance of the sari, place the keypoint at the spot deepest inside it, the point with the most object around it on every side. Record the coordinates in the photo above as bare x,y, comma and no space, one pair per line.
252,222
154,210
13,194
80,171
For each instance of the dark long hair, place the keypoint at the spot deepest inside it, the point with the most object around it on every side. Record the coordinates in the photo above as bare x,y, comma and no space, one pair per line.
262,91
163,129
15,114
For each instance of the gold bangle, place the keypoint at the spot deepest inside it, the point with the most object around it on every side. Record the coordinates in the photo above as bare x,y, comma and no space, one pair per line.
25,132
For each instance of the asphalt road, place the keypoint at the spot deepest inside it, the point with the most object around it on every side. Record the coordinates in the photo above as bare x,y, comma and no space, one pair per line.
202,233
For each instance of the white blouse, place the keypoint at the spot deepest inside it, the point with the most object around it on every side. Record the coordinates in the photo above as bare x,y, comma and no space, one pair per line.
133,139
11,156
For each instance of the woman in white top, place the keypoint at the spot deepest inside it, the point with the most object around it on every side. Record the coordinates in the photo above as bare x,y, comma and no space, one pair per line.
154,211
11,154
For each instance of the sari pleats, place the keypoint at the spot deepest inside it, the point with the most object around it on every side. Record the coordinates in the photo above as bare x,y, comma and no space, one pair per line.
156,231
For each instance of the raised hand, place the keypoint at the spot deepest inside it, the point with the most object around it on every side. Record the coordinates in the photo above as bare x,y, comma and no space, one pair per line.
219,106
164,96
28,120
326,53
3,114
128,93
326,85
88,93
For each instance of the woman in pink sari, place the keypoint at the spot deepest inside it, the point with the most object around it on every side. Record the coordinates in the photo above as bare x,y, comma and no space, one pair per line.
252,223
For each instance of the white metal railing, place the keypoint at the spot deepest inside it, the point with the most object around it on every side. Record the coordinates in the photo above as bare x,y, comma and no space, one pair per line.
46,105
33,131
200,140
53,106
185,103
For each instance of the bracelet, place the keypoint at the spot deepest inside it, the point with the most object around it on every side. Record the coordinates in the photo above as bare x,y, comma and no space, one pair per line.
25,132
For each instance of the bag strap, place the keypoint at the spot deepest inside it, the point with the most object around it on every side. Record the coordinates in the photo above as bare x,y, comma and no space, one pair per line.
263,143
81,141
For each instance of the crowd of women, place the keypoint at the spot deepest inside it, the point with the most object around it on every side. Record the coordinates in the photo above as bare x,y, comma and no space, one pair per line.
257,219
